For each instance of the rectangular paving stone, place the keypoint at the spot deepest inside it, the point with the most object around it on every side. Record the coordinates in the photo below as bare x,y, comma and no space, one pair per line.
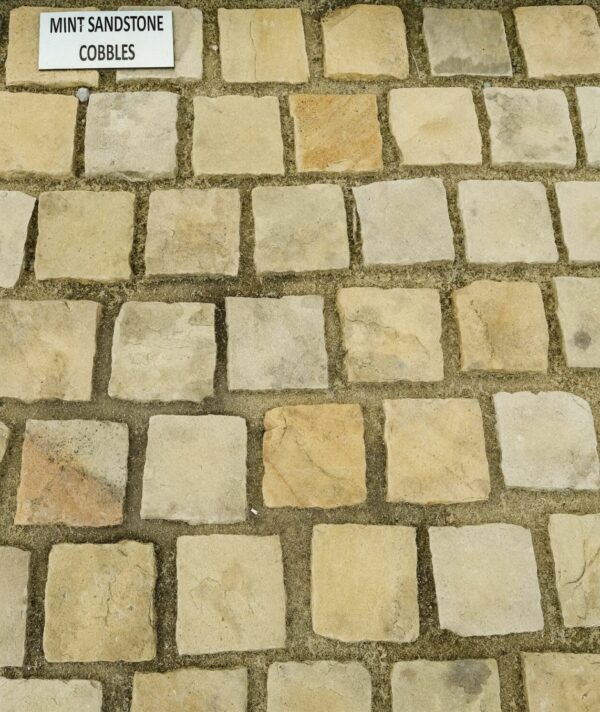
16,209
578,312
47,349
561,681
588,104
579,203
230,594
14,578
31,695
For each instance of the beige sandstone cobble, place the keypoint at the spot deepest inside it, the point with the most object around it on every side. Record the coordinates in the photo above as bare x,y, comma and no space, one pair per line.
562,681
16,209
578,312
588,103
32,695
14,579
579,202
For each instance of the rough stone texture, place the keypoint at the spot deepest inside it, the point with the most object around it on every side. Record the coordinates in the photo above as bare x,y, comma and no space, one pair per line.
47,349
404,222
230,594
84,234
322,686
163,352
559,41
14,577
300,228
262,45
506,221
579,203
195,469
336,133
193,232
578,314
276,344
31,695
100,603
16,210
530,127
446,686
562,681
391,334
434,126
37,134
314,456
365,42
588,103
4,438
548,441
131,135
502,327
73,472
435,451
380,562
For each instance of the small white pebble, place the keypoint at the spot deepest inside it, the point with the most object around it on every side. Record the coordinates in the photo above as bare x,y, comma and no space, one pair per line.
214,47
487,85
254,511
83,94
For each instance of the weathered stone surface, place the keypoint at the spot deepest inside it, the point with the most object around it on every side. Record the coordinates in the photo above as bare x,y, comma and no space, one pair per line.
365,42
336,133
4,438
314,456
190,690
588,103
434,126
502,327
579,203
446,686
504,600
237,135
37,134
562,681
73,472
193,232
262,45
506,221
579,318
15,213
548,441
276,344
300,228
195,469
391,334
47,349
531,127
163,352
84,234
100,603
323,686
131,135
471,42
559,41
364,583
14,577
230,594
435,451
404,222
31,695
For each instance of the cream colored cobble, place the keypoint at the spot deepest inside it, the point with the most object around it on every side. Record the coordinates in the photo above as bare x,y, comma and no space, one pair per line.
561,681
579,202
14,580
33,695
578,311
16,209
588,104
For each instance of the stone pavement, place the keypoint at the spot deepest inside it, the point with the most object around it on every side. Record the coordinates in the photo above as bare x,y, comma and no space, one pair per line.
299,364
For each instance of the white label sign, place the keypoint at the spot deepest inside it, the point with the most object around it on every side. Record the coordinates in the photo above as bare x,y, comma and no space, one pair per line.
106,40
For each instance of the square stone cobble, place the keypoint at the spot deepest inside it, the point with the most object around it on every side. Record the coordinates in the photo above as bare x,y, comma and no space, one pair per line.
276,344
466,42
195,469
336,133
485,579
300,228
37,135
365,42
502,327
391,334
561,681
263,45
380,562
321,686
530,127
237,135
314,456
47,349
163,352
578,311
31,695
579,203
85,235
435,451
16,210
548,441
506,221
435,126
14,578
131,135
193,232
588,104
230,594
404,222
73,472
100,603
